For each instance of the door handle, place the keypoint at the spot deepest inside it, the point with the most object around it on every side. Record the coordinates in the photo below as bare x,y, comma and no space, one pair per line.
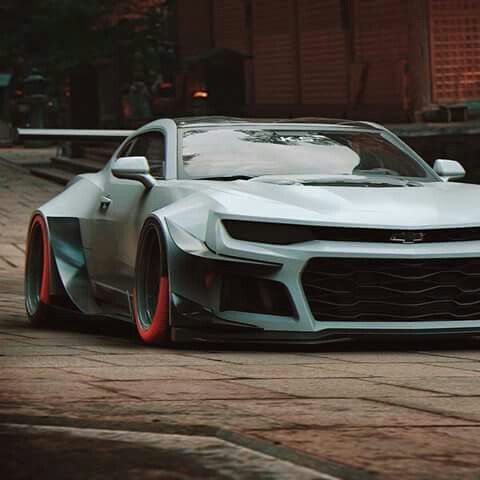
105,202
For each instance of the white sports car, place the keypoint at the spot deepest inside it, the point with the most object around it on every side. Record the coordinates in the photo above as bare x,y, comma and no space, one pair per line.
219,229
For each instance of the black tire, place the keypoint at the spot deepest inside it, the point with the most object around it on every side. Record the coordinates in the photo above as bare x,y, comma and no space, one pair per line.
151,296
37,273
43,317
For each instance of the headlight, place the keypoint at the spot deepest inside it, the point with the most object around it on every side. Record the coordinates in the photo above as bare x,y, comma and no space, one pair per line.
273,233
287,234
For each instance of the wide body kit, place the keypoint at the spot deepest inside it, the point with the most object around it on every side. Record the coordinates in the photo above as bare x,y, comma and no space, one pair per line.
266,259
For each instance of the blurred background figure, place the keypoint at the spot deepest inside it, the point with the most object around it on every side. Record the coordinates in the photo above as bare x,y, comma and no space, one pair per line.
140,102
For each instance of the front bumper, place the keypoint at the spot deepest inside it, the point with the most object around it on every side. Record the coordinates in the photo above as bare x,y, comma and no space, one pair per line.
196,312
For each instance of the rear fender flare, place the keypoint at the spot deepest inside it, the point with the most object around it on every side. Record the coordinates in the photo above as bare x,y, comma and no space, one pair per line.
70,263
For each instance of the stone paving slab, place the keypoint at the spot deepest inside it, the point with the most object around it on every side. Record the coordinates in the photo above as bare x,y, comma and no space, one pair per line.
464,408
335,388
463,366
112,373
405,370
11,374
193,390
359,357
351,411
406,452
458,355
53,361
260,358
465,385
282,371
54,391
147,360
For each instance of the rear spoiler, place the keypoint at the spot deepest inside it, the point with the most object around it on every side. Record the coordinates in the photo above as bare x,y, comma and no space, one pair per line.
73,134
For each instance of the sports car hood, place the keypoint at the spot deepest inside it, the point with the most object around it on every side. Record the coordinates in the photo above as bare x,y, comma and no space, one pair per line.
432,205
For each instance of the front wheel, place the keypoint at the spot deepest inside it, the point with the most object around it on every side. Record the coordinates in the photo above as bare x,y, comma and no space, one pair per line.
151,296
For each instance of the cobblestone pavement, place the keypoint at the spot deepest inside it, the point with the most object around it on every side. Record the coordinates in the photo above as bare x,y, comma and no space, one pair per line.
87,400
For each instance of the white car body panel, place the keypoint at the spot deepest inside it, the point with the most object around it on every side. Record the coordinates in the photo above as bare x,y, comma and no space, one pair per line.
198,207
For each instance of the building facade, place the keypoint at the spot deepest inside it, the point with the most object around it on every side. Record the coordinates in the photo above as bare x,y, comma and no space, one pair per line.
389,60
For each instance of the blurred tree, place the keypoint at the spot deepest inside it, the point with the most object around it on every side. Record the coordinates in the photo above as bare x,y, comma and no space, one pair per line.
59,34
90,51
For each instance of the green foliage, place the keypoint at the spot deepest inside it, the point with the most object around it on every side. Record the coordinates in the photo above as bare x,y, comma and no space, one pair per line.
59,34
64,32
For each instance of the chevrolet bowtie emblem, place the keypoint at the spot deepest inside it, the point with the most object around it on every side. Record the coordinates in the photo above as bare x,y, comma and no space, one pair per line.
407,237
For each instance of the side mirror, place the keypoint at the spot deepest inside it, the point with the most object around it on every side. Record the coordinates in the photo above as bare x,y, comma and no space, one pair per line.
134,168
448,169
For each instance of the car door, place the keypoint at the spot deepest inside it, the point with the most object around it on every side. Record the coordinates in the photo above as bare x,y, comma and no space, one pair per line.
126,205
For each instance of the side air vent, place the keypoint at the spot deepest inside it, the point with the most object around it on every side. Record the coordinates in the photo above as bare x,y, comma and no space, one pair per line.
255,295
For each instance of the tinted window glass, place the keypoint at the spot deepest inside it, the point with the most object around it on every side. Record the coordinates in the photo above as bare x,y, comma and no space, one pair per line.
125,151
140,146
156,155
152,147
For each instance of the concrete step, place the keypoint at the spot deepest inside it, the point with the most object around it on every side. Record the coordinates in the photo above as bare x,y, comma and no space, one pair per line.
77,165
53,174
98,153
107,145
96,158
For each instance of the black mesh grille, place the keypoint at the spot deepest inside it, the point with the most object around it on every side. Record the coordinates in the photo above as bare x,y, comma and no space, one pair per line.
339,289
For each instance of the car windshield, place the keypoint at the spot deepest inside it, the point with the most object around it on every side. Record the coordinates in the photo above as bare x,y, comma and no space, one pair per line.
236,153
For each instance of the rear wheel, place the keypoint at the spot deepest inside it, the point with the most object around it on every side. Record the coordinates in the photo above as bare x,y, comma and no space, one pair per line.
152,292
37,272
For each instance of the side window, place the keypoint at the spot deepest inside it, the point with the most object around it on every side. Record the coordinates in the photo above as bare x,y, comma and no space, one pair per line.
140,146
125,151
156,154
152,146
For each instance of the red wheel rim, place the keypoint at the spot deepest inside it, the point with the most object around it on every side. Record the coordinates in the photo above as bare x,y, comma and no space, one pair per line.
158,329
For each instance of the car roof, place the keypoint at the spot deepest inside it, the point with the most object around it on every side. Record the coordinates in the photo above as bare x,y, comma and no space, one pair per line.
216,121
220,120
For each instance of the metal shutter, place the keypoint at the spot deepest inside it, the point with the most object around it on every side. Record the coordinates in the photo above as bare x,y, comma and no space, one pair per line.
322,45
381,46
275,63
455,49
193,24
230,25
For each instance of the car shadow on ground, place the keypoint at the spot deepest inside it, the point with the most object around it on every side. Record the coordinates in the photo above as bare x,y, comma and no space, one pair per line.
113,328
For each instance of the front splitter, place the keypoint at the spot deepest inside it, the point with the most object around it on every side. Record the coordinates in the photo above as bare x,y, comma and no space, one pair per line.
259,337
